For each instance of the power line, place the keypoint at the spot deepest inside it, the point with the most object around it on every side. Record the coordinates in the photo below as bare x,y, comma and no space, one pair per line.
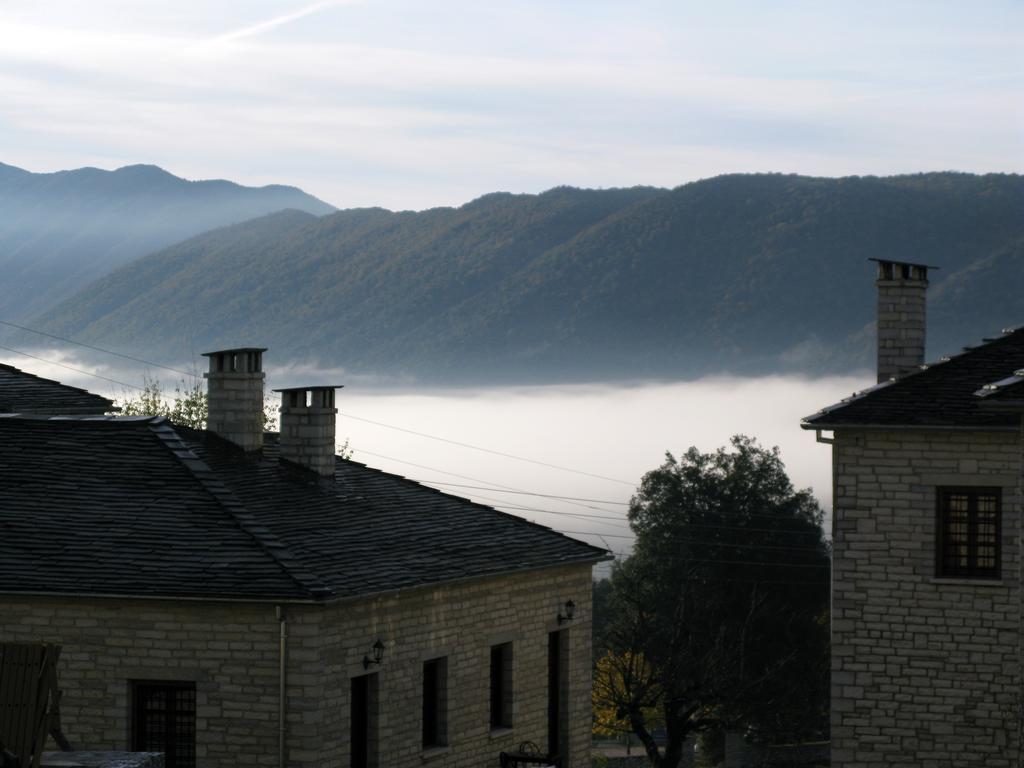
497,486
499,504
506,489
528,493
541,510
755,562
488,450
99,349
432,469
580,514
702,579
702,542
751,530
745,529
71,368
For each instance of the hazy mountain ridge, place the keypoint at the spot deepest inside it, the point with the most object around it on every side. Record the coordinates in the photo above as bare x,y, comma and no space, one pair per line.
59,231
743,274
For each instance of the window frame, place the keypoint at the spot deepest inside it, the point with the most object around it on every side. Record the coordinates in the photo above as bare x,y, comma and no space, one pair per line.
139,710
944,569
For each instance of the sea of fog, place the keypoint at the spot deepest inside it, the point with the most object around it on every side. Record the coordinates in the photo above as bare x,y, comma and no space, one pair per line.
568,457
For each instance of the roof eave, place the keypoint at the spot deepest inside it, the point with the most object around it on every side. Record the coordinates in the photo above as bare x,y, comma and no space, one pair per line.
268,600
279,600
592,561
84,411
910,427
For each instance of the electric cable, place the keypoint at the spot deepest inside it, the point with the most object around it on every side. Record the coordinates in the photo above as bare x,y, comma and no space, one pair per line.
488,450
772,547
99,349
71,368
495,487
528,493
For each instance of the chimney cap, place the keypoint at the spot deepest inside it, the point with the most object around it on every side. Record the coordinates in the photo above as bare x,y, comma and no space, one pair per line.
309,389
234,350
907,263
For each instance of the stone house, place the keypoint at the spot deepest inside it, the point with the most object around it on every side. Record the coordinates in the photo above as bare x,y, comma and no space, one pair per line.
927,585
235,598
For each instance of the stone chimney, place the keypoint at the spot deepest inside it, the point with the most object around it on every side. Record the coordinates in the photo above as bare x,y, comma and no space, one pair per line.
235,391
307,427
901,317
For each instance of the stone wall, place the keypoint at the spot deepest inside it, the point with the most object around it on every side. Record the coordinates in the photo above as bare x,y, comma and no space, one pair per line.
900,320
925,671
462,622
230,651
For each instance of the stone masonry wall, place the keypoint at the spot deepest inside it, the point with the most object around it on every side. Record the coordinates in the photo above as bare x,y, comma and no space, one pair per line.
230,651
461,622
925,671
900,326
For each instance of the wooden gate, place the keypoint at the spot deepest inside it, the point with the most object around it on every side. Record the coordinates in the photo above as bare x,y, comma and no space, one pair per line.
29,699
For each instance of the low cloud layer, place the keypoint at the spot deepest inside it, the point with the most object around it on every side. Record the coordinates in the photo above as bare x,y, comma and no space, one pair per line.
568,457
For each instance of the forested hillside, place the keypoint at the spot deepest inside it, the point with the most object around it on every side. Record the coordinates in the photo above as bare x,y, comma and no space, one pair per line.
59,231
740,274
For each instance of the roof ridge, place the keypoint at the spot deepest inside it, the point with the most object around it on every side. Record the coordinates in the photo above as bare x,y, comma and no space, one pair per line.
271,544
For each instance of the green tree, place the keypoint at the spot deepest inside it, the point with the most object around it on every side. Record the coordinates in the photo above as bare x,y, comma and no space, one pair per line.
188,407
725,600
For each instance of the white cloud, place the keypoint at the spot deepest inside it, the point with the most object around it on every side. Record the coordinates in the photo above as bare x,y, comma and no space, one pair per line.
419,106
277,21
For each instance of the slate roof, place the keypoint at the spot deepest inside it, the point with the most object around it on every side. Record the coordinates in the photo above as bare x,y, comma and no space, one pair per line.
1008,391
132,505
22,392
957,391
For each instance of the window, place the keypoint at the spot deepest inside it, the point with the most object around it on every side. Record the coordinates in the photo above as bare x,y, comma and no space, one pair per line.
969,535
435,703
501,685
164,720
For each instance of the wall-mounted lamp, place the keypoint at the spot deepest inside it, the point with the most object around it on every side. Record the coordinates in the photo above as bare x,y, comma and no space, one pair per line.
570,612
378,655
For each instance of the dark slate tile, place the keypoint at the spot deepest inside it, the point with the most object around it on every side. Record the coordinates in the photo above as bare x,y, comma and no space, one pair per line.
942,395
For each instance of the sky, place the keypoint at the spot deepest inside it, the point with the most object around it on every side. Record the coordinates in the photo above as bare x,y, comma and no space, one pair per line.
414,104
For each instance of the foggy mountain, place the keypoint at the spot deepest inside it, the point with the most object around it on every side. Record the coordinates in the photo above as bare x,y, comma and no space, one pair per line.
742,274
59,231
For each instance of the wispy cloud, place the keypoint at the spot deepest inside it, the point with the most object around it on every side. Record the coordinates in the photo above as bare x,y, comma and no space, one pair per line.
407,104
277,21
